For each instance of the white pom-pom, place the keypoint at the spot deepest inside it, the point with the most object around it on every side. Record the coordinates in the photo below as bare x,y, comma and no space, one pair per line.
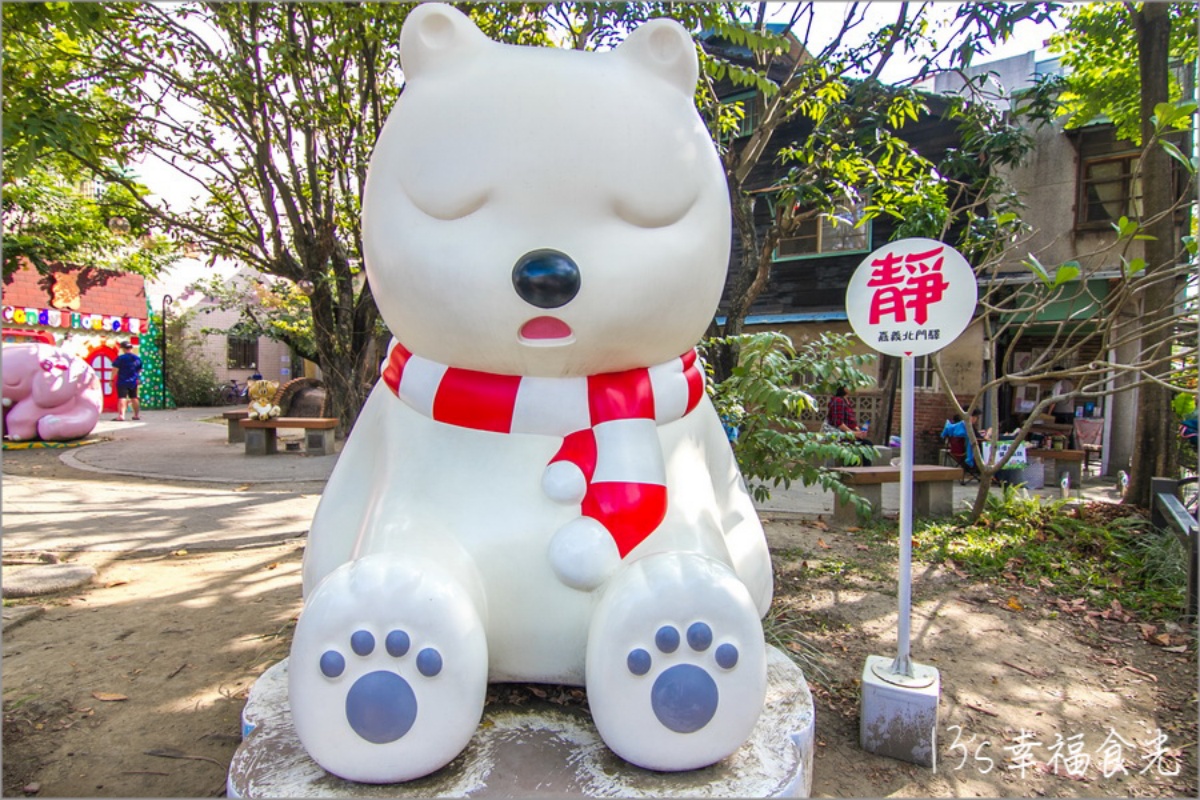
583,554
564,483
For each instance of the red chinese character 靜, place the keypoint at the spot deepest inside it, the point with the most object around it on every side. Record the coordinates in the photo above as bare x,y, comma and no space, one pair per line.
913,282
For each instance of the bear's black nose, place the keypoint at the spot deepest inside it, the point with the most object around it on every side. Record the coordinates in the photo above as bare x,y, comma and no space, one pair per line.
546,278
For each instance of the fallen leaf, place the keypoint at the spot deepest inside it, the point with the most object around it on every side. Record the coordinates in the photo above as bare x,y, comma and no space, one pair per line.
1053,770
179,552
109,697
820,525
242,488
861,547
1180,649
1014,604
1162,639
111,584
821,543
1147,630
274,565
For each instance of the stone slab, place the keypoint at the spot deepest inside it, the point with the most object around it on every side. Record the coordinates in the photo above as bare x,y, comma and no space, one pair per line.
19,615
45,579
538,751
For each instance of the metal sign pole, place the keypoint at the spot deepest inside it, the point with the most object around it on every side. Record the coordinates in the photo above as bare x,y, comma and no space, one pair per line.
908,298
903,665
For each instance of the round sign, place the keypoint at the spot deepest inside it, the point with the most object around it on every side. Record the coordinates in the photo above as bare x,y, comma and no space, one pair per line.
911,297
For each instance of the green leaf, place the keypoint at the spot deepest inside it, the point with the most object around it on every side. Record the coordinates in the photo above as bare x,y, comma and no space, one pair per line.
1133,266
1035,266
1125,227
1189,164
1068,271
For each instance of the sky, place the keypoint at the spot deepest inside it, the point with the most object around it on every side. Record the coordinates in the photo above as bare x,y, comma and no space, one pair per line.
167,184
1029,36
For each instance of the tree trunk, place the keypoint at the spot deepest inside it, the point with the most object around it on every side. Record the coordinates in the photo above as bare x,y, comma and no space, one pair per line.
742,293
1154,454
348,359
889,377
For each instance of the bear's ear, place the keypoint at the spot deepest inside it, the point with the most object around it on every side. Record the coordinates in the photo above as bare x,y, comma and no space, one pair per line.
433,34
663,47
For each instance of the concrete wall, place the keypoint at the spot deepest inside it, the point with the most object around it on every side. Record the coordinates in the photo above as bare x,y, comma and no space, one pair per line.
274,358
1048,184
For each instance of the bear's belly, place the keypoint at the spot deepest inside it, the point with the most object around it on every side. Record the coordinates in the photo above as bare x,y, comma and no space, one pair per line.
461,496
483,491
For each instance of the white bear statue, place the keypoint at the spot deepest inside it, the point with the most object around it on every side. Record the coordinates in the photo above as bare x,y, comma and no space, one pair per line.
538,489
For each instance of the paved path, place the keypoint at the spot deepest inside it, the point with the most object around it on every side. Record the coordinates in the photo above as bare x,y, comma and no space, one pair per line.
191,491
179,445
171,482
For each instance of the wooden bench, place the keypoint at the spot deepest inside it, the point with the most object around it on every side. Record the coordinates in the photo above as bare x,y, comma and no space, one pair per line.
933,490
235,434
1072,464
260,434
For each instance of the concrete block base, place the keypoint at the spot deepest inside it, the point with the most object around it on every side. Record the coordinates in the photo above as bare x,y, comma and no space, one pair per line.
933,499
847,514
540,750
898,716
261,442
318,441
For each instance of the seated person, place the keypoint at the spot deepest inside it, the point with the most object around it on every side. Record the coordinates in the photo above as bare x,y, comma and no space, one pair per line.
981,434
1063,410
958,428
839,417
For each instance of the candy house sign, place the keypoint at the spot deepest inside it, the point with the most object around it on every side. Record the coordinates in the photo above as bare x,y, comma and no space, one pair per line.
911,297
54,318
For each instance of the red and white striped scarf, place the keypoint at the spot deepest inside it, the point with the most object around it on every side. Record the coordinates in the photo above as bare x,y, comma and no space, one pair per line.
607,423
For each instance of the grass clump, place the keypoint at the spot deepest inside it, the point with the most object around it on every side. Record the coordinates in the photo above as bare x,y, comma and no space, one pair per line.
1099,551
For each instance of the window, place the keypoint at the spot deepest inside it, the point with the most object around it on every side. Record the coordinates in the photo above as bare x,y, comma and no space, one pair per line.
1110,187
840,232
241,351
924,374
1109,190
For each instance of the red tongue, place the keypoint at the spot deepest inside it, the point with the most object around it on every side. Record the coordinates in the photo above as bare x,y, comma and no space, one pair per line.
545,328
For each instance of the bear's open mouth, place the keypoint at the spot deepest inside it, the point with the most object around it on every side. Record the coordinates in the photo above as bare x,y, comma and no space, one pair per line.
546,332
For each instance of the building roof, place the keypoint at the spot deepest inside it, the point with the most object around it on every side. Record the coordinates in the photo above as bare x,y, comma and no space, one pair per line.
117,294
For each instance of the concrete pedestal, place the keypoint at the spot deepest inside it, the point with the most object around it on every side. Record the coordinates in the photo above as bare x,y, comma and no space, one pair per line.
318,441
538,751
898,715
261,441
930,499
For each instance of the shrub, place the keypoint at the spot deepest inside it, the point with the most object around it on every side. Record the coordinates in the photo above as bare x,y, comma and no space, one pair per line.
191,380
762,401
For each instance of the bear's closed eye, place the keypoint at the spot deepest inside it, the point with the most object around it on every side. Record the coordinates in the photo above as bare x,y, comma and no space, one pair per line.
448,206
653,215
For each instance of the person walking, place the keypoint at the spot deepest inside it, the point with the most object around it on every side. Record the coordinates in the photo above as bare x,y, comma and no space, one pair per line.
129,374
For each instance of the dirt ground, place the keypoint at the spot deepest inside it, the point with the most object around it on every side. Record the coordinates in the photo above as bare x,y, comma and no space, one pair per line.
133,685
